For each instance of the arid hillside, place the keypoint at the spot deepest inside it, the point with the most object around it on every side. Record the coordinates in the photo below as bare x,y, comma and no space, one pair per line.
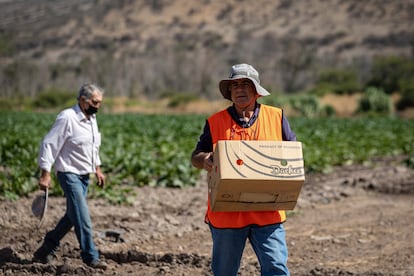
150,47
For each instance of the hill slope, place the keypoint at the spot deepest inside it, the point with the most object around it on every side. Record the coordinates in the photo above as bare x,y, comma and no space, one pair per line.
146,47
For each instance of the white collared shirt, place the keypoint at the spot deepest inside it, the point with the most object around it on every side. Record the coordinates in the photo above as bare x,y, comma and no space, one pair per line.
72,143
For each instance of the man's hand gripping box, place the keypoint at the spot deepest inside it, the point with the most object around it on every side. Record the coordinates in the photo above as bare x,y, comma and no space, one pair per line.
256,175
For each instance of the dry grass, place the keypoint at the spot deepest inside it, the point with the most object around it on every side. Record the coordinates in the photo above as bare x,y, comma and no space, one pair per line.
344,105
201,106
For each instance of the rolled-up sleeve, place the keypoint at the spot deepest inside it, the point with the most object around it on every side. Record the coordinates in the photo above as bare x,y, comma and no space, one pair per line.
205,143
287,133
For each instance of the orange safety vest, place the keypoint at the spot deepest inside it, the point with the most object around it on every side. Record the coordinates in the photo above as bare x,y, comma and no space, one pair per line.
268,126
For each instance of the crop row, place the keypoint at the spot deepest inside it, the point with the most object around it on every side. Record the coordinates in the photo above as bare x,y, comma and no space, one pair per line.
155,150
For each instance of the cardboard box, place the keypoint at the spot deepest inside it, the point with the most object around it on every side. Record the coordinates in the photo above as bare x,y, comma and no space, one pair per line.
256,175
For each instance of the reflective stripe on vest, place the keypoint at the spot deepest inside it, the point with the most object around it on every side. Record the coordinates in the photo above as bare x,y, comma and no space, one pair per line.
268,126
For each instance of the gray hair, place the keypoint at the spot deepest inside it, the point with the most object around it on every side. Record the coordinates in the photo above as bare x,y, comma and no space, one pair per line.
88,89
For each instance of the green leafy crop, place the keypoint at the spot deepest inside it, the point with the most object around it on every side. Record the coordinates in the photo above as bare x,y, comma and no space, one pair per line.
155,150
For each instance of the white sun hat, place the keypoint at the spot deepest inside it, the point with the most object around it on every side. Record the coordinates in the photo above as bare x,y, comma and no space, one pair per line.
242,71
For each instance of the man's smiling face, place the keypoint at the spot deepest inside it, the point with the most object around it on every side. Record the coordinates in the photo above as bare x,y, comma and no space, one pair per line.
243,92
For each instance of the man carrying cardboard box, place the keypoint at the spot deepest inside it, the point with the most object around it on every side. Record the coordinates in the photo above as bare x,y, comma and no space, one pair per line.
245,119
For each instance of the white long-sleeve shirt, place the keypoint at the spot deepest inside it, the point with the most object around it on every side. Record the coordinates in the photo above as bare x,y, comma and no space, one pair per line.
72,144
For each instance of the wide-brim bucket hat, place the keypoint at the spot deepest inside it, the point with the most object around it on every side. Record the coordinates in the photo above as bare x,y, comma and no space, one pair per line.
242,71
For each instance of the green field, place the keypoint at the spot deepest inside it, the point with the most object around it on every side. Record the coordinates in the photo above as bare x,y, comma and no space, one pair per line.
155,150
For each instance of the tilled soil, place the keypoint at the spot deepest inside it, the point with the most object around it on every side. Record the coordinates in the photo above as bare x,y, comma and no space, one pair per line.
353,221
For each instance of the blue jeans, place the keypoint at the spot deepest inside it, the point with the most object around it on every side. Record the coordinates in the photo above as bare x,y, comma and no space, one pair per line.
75,188
268,242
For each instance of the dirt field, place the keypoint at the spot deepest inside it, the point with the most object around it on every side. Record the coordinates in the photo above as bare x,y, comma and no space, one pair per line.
353,221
